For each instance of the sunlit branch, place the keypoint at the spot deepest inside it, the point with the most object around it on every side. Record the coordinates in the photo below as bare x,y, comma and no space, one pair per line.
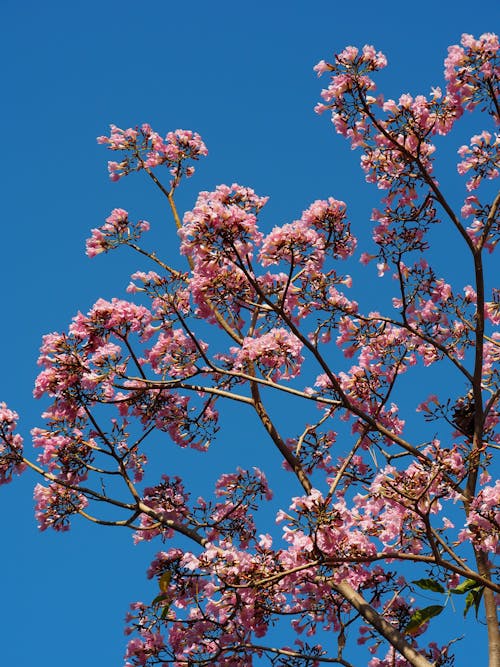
170,523
180,384
132,354
125,523
391,633
152,256
310,429
489,221
313,658
285,451
345,464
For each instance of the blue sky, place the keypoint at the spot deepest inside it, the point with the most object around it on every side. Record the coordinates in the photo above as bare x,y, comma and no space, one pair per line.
241,75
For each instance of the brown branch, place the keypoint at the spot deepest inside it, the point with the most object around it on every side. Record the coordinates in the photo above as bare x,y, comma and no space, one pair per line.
285,451
490,608
297,654
489,221
180,384
388,631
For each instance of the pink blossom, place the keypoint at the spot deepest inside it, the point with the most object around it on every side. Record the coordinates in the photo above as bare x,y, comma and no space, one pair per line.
279,351
146,149
116,231
322,67
55,504
11,445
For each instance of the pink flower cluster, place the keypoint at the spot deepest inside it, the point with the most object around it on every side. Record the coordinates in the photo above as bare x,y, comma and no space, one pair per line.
146,149
232,518
175,354
472,70
169,502
304,243
11,445
398,156
219,235
296,243
86,357
64,454
140,650
277,352
116,315
116,231
54,504
223,221
351,67
483,522
482,157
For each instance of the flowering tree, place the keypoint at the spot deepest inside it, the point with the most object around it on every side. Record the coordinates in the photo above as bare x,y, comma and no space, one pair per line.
254,314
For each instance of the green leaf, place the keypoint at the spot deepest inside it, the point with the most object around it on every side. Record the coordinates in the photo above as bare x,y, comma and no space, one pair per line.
421,616
429,585
165,611
165,581
158,599
473,598
465,586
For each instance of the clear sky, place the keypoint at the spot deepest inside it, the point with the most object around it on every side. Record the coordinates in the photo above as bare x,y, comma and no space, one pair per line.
240,74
